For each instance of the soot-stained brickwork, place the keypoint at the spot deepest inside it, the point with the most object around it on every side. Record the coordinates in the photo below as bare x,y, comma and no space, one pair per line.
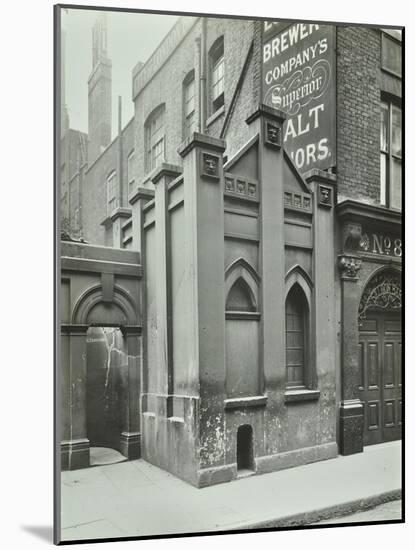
358,113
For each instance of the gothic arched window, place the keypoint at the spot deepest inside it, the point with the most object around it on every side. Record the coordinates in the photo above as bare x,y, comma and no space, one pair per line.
242,331
296,320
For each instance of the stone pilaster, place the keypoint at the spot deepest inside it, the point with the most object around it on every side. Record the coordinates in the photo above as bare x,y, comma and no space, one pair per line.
267,123
118,217
205,285
75,449
323,185
161,178
130,441
138,200
351,407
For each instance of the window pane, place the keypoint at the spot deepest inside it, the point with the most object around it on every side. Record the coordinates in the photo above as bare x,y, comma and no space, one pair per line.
391,55
396,131
383,178
294,342
191,105
130,173
190,124
112,192
189,91
155,139
384,127
217,73
396,184
218,79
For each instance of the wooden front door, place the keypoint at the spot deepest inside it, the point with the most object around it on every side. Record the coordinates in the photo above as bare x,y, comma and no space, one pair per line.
380,354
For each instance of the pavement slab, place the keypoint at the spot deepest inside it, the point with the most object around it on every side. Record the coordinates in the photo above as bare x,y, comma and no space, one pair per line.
138,499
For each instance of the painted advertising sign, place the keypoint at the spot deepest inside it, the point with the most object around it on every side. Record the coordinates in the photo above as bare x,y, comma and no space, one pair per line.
298,77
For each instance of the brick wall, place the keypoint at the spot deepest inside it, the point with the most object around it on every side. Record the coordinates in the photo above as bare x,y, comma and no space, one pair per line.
166,86
99,108
73,153
238,37
358,113
94,191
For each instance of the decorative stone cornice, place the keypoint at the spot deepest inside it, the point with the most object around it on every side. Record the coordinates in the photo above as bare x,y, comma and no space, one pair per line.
320,176
141,193
265,110
203,141
350,210
120,213
349,266
165,170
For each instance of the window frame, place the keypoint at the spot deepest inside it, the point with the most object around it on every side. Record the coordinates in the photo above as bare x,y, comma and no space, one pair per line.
112,177
386,175
130,156
392,38
152,143
304,383
216,59
189,118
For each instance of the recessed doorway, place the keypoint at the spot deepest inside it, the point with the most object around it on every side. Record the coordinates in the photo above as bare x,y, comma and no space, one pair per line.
106,390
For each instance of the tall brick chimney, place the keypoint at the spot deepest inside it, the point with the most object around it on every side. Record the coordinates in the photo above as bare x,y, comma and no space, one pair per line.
99,91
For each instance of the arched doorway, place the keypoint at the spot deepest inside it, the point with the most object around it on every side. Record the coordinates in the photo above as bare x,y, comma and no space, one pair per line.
106,386
107,375
380,354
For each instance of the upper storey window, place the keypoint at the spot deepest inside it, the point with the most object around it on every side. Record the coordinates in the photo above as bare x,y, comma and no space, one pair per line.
392,52
112,201
217,75
130,168
189,107
391,154
155,138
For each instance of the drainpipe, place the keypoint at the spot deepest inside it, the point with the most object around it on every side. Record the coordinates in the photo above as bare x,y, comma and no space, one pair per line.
80,183
120,171
199,84
203,60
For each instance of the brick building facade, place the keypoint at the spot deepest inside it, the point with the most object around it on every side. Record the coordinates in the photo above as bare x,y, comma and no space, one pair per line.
269,309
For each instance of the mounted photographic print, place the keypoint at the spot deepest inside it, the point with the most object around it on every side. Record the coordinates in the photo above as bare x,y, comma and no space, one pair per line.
229,247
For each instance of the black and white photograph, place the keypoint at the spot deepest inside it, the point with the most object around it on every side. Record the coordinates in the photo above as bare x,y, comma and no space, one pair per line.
207,232
230,204
229,195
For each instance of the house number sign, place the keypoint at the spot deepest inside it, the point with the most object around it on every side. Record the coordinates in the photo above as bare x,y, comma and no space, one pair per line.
384,245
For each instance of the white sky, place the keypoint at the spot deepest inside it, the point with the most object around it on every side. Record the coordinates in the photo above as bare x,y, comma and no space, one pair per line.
132,37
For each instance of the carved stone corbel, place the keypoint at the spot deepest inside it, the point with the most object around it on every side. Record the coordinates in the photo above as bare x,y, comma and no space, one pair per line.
349,266
352,234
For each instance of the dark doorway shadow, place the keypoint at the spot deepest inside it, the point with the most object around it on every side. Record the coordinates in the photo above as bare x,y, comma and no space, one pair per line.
43,532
